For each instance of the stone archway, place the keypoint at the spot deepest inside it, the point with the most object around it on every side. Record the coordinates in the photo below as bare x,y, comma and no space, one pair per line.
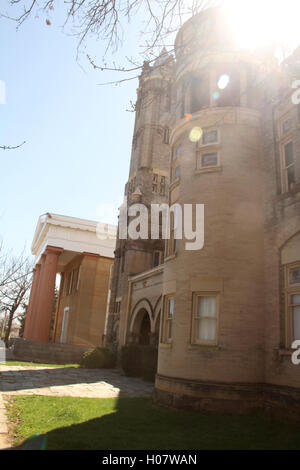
141,327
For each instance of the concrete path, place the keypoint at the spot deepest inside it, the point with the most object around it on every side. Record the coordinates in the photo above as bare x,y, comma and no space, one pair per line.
70,381
3,426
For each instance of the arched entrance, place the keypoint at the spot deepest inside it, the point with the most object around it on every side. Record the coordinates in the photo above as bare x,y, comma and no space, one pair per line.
144,337
141,327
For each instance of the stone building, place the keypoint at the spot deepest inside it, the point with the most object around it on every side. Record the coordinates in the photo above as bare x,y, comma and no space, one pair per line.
81,251
216,125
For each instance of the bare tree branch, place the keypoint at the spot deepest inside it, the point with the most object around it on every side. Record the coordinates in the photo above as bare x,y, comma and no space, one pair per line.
9,147
108,19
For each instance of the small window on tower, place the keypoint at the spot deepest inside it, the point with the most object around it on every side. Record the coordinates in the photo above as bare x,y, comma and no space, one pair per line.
210,137
207,160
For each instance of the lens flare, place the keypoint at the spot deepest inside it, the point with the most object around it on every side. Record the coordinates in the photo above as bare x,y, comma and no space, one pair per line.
223,81
195,134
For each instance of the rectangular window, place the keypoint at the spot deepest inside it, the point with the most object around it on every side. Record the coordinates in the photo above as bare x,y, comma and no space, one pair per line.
205,318
288,165
292,295
294,278
210,137
169,317
295,310
209,159
287,125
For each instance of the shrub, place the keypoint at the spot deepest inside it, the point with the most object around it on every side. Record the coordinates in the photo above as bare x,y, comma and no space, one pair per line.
139,361
98,358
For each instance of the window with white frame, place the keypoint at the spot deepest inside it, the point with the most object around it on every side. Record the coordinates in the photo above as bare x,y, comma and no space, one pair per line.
292,294
205,318
294,306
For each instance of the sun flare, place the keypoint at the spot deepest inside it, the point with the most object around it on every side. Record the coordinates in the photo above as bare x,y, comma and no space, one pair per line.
258,23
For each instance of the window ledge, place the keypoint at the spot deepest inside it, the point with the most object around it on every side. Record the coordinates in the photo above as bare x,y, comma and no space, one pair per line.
292,192
170,257
208,169
165,345
192,347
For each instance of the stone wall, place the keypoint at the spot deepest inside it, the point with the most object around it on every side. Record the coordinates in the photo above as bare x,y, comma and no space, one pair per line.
49,353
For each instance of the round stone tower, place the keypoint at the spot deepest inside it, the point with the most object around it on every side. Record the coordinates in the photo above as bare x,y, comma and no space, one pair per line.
212,333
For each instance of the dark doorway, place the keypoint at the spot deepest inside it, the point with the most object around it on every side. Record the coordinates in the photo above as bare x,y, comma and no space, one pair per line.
145,330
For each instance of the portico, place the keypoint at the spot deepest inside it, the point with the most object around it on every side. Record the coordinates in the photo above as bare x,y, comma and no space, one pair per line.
82,252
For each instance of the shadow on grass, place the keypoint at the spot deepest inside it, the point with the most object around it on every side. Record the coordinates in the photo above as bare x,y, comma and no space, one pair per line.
137,423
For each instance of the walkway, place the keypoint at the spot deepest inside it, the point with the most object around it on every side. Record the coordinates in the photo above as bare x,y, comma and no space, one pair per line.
70,381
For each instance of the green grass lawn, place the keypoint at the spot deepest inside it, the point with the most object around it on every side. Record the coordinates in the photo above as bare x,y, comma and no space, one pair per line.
136,423
35,364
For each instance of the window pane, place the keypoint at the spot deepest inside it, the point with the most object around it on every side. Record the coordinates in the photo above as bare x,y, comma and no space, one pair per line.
295,275
291,174
295,299
296,321
206,329
289,153
207,306
287,125
177,172
169,329
209,159
210,137
156,258
178,151
171,307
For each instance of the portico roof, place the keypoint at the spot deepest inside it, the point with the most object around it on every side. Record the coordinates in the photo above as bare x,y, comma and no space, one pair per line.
74,235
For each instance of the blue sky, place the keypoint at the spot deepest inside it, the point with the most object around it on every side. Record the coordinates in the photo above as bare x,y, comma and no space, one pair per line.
78,134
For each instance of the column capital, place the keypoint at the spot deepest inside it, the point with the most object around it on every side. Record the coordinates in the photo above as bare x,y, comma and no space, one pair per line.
53,250
88,255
